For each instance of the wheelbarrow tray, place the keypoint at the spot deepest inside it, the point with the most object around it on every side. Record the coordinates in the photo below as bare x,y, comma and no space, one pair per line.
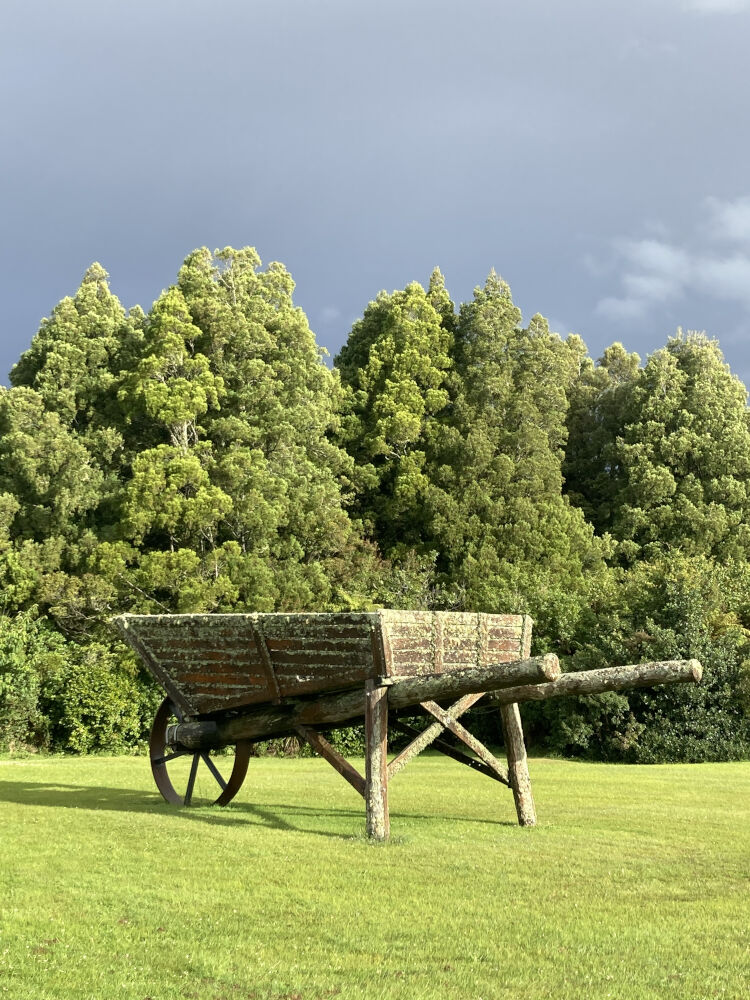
214,663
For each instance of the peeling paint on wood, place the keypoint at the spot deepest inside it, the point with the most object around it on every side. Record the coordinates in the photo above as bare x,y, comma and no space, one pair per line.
205,661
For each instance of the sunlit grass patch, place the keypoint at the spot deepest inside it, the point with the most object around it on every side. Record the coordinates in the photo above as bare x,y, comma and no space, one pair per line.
635,884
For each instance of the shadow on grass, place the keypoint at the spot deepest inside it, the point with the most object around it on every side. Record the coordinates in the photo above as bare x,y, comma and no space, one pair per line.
277,815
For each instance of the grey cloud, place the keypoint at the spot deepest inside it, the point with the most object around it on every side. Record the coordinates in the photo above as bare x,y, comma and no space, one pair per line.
657,257
724,278
652,287
362,144
621,310
730,220
328,314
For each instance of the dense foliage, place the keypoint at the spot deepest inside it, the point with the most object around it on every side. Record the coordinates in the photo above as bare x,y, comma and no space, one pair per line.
203,457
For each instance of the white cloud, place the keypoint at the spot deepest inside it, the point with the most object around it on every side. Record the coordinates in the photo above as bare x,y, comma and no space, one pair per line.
730,220
654,272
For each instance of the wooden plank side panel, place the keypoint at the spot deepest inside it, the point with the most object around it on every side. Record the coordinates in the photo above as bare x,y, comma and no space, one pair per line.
304,654
217,661
211,678
333,658
504,631
317,626
426,642
355,643
315,653
303,681
219,701
242,659
212,659
210,693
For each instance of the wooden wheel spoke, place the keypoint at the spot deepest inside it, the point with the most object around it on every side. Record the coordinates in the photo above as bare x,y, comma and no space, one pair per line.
191,780
214,770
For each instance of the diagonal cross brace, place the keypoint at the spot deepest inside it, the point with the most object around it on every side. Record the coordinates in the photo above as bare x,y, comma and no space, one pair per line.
437,728
463,734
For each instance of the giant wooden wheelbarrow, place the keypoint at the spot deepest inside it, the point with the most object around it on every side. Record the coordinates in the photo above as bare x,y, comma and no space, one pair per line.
235,679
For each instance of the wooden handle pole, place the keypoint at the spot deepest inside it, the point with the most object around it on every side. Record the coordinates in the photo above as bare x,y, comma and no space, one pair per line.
607,679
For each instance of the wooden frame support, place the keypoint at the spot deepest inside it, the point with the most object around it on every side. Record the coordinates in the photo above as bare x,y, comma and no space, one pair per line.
518,766
376,761
453,753
463,734
321,745
424,739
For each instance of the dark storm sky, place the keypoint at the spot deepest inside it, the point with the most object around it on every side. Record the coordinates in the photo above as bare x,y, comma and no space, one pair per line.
596,154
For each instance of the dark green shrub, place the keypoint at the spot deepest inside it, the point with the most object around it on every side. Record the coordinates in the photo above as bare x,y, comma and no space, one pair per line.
673,609
32,657
101,703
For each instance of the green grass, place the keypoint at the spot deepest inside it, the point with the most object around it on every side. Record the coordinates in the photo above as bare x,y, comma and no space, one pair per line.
635,884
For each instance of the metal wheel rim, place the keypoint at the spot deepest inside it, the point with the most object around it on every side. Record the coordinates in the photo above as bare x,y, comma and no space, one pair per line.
161,759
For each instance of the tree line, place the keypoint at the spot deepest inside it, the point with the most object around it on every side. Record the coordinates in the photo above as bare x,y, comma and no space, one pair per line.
202,457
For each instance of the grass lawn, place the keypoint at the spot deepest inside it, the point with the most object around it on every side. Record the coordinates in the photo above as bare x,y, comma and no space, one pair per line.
635,884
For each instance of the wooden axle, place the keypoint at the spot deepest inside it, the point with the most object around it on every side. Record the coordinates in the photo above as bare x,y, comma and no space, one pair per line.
279,720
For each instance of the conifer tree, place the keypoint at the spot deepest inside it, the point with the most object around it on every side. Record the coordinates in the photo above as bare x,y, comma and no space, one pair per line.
670,467
396,368
75,357
288,525
510,539
591,468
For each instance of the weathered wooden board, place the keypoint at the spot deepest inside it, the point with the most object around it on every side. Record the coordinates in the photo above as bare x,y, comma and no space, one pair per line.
211,663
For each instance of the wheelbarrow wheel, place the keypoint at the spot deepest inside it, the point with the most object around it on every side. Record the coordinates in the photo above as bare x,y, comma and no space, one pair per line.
191,778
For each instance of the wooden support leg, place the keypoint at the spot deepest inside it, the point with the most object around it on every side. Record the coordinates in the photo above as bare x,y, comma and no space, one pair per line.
518,766
376,773
327,752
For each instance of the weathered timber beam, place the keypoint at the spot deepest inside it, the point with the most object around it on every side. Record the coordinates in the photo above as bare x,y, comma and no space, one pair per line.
407,691
279,720
422,740
376,761
518,765
635,675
